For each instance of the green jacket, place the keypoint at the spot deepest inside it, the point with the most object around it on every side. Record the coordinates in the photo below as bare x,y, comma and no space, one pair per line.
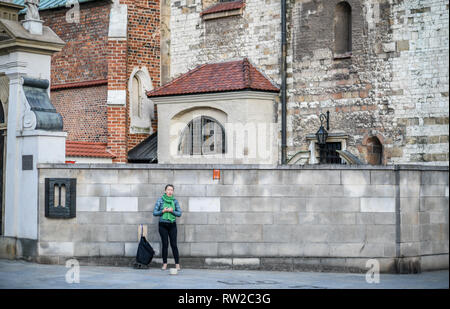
159,206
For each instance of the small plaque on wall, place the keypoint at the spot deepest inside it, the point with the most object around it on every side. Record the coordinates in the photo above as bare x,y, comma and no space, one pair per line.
27,163
60,197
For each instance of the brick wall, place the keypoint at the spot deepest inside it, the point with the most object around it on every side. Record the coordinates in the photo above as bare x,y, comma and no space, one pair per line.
90,56
117,133
84,112
84,58
141,49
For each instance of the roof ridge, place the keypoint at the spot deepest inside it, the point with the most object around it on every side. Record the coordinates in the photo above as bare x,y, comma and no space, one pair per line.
181,77
246,70
264,75
229,75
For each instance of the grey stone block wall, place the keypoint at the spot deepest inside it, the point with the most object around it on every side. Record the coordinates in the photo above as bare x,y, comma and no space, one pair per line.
257,218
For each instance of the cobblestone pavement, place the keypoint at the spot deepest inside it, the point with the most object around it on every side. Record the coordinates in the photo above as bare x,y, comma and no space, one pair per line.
25,275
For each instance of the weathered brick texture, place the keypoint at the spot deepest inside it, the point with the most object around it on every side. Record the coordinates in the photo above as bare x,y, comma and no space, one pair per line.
84,112
141,49
89,55
84,58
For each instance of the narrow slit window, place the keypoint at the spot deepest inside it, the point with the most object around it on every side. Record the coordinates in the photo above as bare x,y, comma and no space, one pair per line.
56,196
63,196
343,28
136,97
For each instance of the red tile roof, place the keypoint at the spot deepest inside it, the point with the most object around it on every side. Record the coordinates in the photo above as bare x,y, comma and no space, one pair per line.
217,77
223,6
87,149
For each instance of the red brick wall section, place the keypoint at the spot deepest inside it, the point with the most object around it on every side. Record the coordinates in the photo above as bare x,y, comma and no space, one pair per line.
117,65
117,115
89,56
143,49
84,112
84,58
117,133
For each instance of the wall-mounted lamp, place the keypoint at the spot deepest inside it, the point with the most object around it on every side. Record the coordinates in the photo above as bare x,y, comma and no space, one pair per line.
322,134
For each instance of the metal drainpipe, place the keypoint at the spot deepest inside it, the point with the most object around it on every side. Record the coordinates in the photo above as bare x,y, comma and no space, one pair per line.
283,83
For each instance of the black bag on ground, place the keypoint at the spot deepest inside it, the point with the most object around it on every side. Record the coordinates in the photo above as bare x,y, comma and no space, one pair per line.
144,254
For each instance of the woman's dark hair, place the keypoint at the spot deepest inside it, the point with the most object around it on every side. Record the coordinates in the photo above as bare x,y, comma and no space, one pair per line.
169,185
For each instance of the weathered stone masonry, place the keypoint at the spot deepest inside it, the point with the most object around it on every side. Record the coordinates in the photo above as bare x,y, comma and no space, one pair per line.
393,86
255,216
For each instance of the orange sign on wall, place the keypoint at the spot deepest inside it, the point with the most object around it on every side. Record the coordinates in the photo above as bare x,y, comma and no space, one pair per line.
216,174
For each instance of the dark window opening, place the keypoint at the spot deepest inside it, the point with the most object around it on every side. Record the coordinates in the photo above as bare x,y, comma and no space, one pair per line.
329,155
343,28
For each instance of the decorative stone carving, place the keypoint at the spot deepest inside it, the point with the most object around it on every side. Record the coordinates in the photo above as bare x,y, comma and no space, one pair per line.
33,22
32,10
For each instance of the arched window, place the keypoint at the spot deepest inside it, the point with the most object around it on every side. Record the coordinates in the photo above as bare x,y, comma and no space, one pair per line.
141,107
343,28
203,135
136,98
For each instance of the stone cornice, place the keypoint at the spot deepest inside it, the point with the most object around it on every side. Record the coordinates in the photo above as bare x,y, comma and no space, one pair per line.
118,166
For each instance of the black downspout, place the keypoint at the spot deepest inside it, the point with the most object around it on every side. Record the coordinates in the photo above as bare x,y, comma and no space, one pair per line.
283,82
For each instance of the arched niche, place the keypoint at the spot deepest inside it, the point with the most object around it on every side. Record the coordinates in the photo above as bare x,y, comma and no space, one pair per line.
374,155
141,107
343,28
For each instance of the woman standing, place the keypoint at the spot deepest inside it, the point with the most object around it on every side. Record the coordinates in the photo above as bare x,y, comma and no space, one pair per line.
167,208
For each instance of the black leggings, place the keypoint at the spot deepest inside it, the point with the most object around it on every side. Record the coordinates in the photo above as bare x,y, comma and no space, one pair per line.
169,230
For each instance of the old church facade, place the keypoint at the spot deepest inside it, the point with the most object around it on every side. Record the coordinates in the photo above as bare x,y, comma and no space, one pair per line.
379,67
179,83
98,80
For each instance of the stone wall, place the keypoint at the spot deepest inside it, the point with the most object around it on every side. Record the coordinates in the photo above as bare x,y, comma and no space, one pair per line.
420,79
256,35
393,86
290,218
